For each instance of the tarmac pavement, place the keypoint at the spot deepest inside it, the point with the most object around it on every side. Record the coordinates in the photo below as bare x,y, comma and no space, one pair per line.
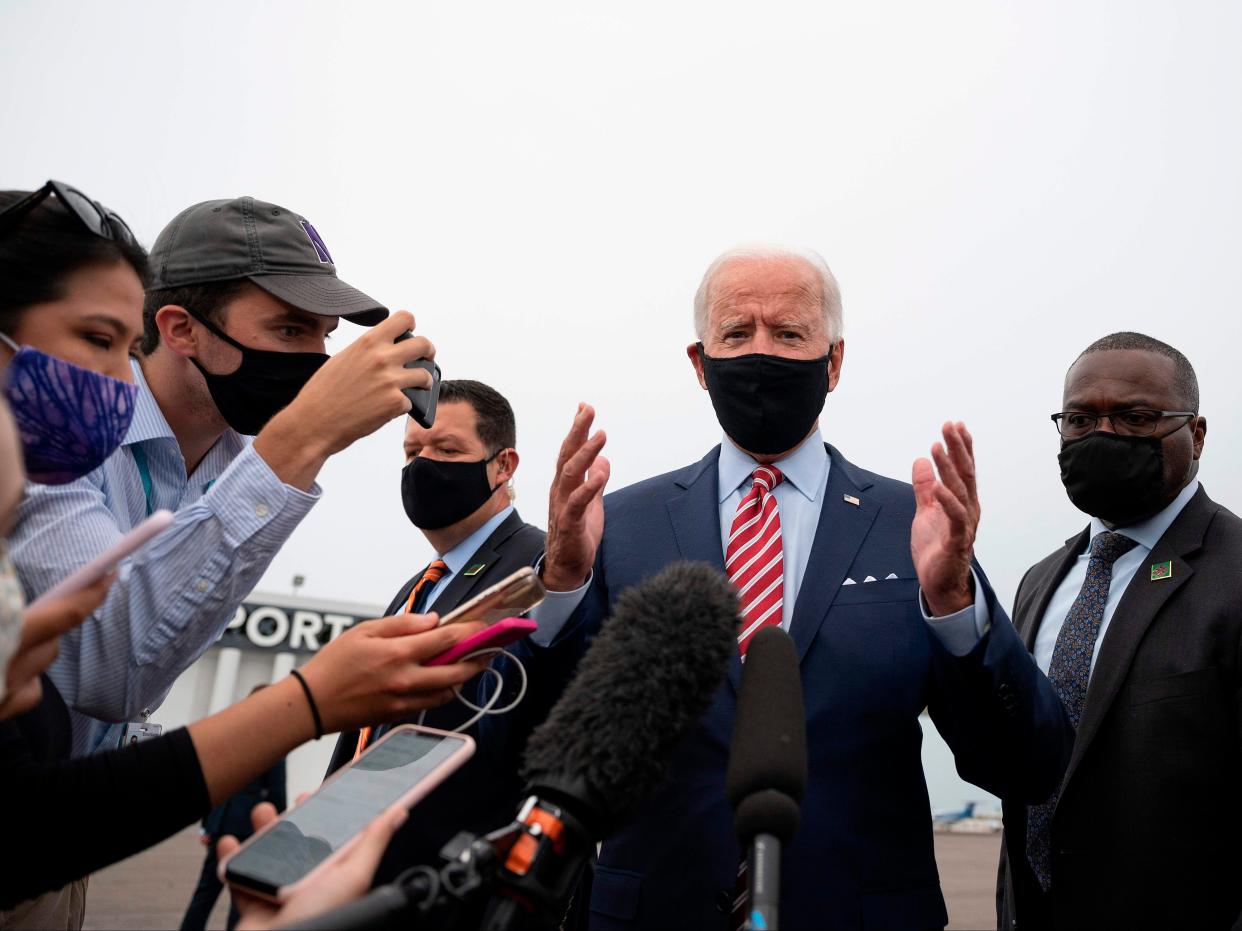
152,889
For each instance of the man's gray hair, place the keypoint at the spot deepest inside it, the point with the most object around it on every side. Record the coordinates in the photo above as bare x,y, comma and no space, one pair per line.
830,291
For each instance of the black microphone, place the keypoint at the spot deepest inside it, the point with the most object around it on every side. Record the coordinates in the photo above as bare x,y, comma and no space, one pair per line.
646,680
767,770
649,676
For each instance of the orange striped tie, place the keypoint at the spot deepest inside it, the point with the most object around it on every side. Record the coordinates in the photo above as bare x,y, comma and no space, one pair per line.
431,575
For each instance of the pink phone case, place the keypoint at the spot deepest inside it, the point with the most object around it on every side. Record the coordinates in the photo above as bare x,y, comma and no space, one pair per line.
407,801
500,634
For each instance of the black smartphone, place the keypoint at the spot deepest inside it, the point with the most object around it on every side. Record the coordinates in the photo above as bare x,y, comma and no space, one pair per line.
398,770
422,400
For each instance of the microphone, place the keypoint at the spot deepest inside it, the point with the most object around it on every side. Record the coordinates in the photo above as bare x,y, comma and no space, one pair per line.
647,679
767,772
649,676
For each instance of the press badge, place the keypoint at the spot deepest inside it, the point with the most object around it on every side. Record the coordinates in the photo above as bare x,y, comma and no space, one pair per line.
136,732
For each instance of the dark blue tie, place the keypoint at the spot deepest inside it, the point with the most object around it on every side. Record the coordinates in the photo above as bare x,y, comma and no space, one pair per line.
1070,673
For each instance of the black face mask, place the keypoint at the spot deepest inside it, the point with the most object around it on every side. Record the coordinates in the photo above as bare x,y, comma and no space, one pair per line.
1119,479
766,404
263,384
437,493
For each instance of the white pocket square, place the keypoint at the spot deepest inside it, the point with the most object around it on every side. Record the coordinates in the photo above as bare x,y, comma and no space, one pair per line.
848,582
891,575
870,578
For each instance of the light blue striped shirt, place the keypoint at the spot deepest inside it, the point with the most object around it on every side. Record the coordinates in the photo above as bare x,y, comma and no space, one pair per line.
172,599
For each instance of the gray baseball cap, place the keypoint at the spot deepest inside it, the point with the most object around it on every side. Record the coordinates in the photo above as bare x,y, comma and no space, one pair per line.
277,249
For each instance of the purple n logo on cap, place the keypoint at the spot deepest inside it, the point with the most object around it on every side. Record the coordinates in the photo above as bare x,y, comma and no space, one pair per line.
313,235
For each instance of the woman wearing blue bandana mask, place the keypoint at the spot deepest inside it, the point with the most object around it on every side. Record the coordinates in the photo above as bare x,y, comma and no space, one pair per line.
70,316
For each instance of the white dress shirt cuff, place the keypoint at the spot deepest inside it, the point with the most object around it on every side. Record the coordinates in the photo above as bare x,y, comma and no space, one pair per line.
554,611
960,632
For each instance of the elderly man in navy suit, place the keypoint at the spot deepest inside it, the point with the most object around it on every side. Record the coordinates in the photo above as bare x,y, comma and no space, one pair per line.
838,557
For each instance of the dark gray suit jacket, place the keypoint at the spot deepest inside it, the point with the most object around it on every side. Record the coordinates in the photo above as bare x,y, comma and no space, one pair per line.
1147,832
484,794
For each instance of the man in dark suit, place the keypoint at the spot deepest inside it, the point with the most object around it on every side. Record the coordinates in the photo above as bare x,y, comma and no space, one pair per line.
456,490
824,549
1138,622
232,816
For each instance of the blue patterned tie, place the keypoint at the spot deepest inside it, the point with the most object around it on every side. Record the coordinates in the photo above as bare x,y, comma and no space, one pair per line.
1070,672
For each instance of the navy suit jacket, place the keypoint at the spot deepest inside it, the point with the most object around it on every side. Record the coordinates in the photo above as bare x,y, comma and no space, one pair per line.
870,665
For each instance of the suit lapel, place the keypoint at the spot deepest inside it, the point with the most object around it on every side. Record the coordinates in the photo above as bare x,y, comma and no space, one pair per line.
698,538
695,515
1028,625
1138,607
839,535
461,586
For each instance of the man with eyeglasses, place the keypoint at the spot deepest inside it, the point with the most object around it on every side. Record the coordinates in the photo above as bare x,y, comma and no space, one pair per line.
1137,621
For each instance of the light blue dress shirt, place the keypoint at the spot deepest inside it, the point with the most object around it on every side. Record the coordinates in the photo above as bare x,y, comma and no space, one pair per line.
172,599
1145,534
457,557
799,499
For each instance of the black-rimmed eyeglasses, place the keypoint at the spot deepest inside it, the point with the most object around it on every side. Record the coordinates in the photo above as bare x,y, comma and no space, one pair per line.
93,215
1133,421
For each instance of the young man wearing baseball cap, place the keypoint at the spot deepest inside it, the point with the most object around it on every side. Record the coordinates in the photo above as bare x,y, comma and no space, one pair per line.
242,296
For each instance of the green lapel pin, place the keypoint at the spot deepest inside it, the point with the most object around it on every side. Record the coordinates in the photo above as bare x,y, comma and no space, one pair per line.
1162,570
480,566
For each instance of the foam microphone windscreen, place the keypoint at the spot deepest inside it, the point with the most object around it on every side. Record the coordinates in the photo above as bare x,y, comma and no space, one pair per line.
648,677
768,750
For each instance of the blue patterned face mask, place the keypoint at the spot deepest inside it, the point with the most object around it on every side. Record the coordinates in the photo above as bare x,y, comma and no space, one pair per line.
70,418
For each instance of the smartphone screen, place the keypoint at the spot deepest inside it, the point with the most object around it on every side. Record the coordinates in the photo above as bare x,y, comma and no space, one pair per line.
308,834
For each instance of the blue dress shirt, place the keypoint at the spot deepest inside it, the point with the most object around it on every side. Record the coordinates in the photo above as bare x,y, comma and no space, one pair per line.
173,598
458,556
1145,534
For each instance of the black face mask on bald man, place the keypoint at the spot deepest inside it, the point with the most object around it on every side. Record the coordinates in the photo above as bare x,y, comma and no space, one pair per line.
766,404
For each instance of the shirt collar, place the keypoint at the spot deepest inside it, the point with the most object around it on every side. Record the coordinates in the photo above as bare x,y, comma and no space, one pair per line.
803,468
457,557
1148,532
148,422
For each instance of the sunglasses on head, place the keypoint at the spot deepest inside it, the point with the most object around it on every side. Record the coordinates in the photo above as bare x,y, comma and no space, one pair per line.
93,215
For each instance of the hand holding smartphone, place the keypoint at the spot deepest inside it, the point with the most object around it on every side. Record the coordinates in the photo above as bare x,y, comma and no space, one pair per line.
422,400
397,771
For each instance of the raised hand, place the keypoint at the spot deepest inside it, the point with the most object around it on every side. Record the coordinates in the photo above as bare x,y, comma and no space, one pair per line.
942,538
355,393
576,505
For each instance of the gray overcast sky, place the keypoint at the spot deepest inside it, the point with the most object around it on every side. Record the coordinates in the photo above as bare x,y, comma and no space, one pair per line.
994,184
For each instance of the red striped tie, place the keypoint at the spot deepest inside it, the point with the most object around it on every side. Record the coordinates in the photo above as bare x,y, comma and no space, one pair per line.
754,559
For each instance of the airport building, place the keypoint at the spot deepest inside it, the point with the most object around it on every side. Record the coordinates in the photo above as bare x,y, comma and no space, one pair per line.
268,635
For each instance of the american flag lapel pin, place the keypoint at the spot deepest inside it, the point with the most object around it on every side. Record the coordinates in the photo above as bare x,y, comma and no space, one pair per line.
850,499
